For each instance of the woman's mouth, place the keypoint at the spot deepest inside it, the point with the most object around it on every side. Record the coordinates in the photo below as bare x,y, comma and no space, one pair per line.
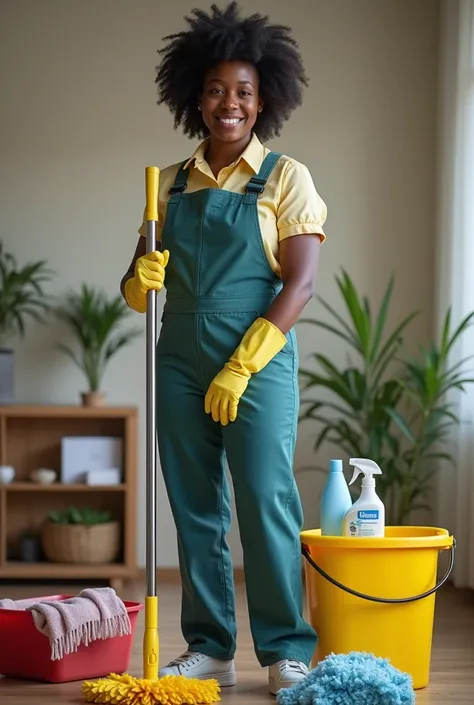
229,121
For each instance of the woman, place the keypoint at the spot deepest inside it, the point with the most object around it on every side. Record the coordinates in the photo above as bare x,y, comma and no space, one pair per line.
238,239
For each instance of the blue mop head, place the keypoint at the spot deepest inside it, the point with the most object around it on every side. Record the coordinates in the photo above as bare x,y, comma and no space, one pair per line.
351,679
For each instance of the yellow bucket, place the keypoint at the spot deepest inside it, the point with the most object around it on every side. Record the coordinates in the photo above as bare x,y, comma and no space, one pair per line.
376,594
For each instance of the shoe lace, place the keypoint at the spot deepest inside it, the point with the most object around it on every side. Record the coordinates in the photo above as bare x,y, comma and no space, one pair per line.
189,658
291,665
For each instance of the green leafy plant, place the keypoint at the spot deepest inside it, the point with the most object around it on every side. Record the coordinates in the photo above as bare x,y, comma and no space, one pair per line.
396,411
21,294
95,319
85,516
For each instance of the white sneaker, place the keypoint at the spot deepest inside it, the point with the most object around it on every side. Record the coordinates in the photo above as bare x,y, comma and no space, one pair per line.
196,665
285,674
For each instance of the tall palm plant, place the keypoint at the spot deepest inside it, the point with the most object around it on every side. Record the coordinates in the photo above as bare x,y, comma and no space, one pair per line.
22,294
95,320
22,298
396,411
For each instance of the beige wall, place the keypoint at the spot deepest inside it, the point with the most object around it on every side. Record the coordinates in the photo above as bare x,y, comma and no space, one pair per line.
79,122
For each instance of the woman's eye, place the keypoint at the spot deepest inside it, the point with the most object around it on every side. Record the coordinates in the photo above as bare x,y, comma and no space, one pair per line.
215,91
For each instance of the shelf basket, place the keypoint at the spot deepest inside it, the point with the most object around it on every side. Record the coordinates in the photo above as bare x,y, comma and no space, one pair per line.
78,543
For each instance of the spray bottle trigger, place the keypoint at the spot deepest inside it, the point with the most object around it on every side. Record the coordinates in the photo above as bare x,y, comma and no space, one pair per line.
355,475
364,465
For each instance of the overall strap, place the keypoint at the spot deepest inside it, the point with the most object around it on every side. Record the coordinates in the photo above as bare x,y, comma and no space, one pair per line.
257,183
180,183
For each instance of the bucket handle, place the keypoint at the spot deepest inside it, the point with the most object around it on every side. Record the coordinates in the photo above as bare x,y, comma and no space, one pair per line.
384,600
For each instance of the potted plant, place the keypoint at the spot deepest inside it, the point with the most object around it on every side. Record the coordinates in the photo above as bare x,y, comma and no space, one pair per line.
81,536
21,297
396,410
95,319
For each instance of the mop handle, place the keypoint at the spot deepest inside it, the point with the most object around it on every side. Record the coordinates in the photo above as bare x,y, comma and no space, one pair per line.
152,175
151,642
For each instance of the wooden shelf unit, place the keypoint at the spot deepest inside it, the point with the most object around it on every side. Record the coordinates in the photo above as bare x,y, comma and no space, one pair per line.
30,437
58,487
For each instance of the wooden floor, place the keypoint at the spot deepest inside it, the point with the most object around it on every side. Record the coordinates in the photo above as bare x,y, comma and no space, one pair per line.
452,667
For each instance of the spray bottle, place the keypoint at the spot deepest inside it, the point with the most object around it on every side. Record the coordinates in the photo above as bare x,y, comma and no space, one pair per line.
335,501
366,517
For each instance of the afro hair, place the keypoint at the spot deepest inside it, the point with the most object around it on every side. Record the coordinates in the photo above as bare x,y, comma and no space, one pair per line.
222,35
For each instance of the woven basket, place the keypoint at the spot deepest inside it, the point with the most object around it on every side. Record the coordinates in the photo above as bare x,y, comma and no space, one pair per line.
77,543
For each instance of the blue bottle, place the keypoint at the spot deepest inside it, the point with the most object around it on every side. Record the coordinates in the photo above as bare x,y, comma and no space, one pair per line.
335,501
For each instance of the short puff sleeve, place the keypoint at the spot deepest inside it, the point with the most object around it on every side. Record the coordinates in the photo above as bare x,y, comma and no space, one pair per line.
301,209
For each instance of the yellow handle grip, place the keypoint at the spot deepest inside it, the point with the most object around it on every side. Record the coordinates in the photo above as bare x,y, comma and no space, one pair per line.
151,642
152,181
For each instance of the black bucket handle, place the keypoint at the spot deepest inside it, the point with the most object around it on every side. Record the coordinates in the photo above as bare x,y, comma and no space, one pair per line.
384,600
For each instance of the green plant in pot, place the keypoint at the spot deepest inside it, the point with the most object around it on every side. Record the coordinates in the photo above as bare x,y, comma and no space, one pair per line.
81,535
86,516
396,409
22,297
95,321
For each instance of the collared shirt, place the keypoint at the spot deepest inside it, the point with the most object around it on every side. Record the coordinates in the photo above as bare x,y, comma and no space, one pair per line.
289,205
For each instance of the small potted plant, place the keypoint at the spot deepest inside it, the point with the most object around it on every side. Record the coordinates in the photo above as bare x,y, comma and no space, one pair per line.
95,321
21,297
81,536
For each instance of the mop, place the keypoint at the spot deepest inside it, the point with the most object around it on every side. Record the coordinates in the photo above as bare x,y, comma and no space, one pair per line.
151,690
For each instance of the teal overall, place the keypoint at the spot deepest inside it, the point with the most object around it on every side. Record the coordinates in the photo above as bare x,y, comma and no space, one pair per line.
218,282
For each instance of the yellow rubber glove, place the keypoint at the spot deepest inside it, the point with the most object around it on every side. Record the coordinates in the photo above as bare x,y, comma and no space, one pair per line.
149,274
260,344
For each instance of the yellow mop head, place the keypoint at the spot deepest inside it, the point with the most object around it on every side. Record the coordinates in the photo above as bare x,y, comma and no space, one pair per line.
169,690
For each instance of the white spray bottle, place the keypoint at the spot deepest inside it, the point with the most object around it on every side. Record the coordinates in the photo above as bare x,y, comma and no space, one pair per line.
366,517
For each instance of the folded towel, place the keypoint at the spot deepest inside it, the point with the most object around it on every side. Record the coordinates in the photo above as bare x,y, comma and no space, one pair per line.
7,604
351,679
93,614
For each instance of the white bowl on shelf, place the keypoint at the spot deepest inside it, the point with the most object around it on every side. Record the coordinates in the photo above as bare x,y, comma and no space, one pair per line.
44,476
7,473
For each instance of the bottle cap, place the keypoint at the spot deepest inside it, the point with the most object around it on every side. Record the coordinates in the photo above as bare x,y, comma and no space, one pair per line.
335,466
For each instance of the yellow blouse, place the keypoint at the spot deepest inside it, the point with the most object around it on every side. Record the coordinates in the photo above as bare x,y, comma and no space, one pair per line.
289,205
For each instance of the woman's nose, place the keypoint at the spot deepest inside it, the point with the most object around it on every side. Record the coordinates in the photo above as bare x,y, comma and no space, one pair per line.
230,102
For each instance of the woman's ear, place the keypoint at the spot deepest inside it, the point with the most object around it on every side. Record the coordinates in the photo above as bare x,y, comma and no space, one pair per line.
260,106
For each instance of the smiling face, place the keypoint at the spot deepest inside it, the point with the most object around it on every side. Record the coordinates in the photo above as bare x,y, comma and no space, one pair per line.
230,101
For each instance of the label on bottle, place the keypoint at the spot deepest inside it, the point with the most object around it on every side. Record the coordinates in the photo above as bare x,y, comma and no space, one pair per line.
368,514
366,523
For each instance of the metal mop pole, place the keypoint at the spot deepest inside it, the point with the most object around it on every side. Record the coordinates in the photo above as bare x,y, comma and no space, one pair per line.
151,637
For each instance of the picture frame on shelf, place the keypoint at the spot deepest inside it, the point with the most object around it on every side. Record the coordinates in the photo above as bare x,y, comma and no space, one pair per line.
87,459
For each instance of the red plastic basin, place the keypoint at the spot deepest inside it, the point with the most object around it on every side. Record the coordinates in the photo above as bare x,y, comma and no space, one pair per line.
25,652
